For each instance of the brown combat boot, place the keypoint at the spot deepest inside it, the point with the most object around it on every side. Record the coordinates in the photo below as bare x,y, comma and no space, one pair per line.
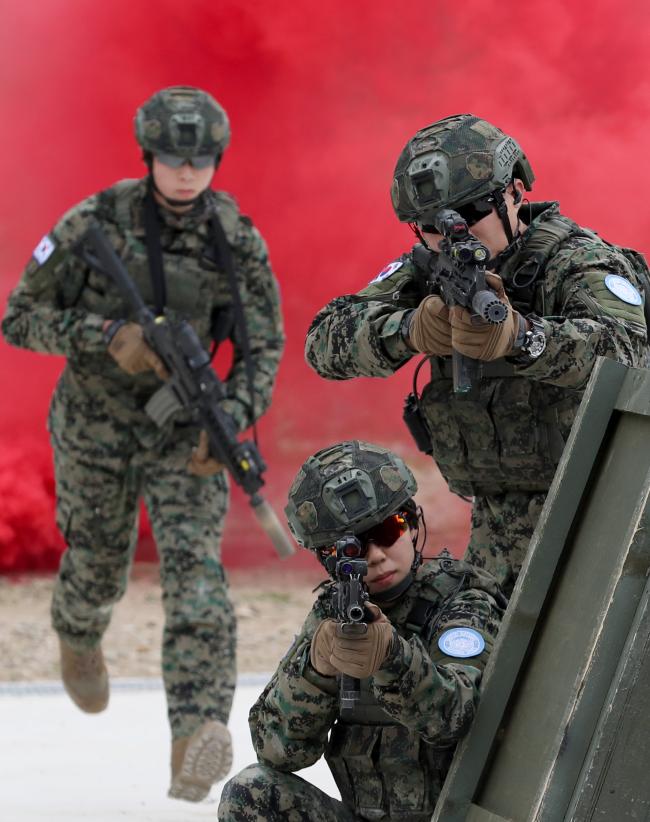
200,760
85,677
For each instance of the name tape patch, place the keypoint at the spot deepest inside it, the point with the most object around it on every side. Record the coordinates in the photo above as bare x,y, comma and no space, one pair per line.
461,643
623,289
43,250
391,268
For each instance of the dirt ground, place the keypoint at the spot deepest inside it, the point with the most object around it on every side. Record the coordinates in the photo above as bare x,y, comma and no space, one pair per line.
270,608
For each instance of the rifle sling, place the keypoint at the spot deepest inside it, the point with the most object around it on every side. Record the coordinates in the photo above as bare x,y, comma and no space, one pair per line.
154,251
224,254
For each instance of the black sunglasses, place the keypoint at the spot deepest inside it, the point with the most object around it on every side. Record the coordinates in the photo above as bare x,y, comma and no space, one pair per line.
470,212
198,161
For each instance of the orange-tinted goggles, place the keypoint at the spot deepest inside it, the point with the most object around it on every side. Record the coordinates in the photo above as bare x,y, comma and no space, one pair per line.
384,534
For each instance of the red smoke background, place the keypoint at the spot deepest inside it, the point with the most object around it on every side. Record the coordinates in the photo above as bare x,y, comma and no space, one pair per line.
321,97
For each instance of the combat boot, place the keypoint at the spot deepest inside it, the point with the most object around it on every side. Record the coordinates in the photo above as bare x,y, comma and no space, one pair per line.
200,760
85,677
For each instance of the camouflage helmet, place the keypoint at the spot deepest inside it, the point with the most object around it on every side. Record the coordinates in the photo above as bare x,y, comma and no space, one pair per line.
453,162
348,487
183,121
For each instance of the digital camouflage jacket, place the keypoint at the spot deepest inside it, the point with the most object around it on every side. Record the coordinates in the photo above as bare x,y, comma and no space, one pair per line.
60,304
509,433
392,755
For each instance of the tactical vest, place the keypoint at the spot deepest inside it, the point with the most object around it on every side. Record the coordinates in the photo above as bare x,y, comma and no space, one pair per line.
196,290
509,433
195,286
383,769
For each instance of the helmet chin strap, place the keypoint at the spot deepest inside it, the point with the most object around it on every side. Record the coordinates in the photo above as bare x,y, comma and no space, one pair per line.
502,211
397,590
170,201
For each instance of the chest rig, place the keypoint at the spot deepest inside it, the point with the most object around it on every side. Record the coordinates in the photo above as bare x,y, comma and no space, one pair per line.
383,769
509,432
195,286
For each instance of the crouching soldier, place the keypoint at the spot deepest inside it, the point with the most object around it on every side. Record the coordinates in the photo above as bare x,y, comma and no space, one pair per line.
417,666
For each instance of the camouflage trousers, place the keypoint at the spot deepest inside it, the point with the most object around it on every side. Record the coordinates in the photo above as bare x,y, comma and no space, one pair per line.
263,794
101,474
502,527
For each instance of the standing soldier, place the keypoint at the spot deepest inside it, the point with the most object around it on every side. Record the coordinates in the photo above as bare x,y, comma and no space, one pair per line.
108,453
419,664
570,296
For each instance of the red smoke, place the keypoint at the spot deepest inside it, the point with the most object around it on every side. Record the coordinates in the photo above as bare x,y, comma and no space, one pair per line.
322,97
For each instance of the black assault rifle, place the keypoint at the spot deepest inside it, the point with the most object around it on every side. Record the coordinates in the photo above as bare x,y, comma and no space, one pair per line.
348,569
193,386
458,275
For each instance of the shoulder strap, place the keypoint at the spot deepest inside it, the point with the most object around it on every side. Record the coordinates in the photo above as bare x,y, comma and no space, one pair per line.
154,251
428,609
224,254
123,191
547,236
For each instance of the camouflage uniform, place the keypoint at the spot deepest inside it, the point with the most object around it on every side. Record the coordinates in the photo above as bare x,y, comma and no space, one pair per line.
108,452
390,757
500,445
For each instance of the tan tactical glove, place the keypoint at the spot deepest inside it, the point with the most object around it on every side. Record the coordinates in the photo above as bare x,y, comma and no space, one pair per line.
361,655
132,354
429,330
201,463
321,648
481,340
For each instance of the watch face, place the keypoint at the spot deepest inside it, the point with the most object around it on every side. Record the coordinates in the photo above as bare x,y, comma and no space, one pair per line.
536,345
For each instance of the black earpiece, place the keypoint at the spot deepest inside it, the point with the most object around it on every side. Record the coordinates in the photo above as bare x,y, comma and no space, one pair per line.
516,195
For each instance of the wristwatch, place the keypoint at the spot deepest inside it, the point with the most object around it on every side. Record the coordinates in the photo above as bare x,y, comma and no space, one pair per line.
405,328
534,341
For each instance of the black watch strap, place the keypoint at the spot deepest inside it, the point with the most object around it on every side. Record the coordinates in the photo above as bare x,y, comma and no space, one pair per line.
405,327
112,330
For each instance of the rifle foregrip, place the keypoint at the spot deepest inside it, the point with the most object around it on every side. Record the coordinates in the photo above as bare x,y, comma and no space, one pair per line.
464,372
349,691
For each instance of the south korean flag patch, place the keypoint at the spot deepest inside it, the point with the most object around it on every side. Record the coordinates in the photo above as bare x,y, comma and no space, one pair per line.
43,250
391,268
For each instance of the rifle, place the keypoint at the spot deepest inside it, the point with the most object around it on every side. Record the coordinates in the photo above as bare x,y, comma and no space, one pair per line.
459,277
193,386
351,594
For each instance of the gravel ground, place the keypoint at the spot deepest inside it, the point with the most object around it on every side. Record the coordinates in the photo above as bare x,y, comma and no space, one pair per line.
269,613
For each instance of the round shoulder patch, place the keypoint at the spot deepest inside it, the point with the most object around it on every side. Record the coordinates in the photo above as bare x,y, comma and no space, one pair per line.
461,643
391,268
623,289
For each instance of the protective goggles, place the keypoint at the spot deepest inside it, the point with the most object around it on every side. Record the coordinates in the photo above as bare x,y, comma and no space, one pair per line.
199,162
384,534
470,212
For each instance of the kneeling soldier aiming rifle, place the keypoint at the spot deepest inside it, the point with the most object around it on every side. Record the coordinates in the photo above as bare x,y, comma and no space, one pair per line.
419,663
